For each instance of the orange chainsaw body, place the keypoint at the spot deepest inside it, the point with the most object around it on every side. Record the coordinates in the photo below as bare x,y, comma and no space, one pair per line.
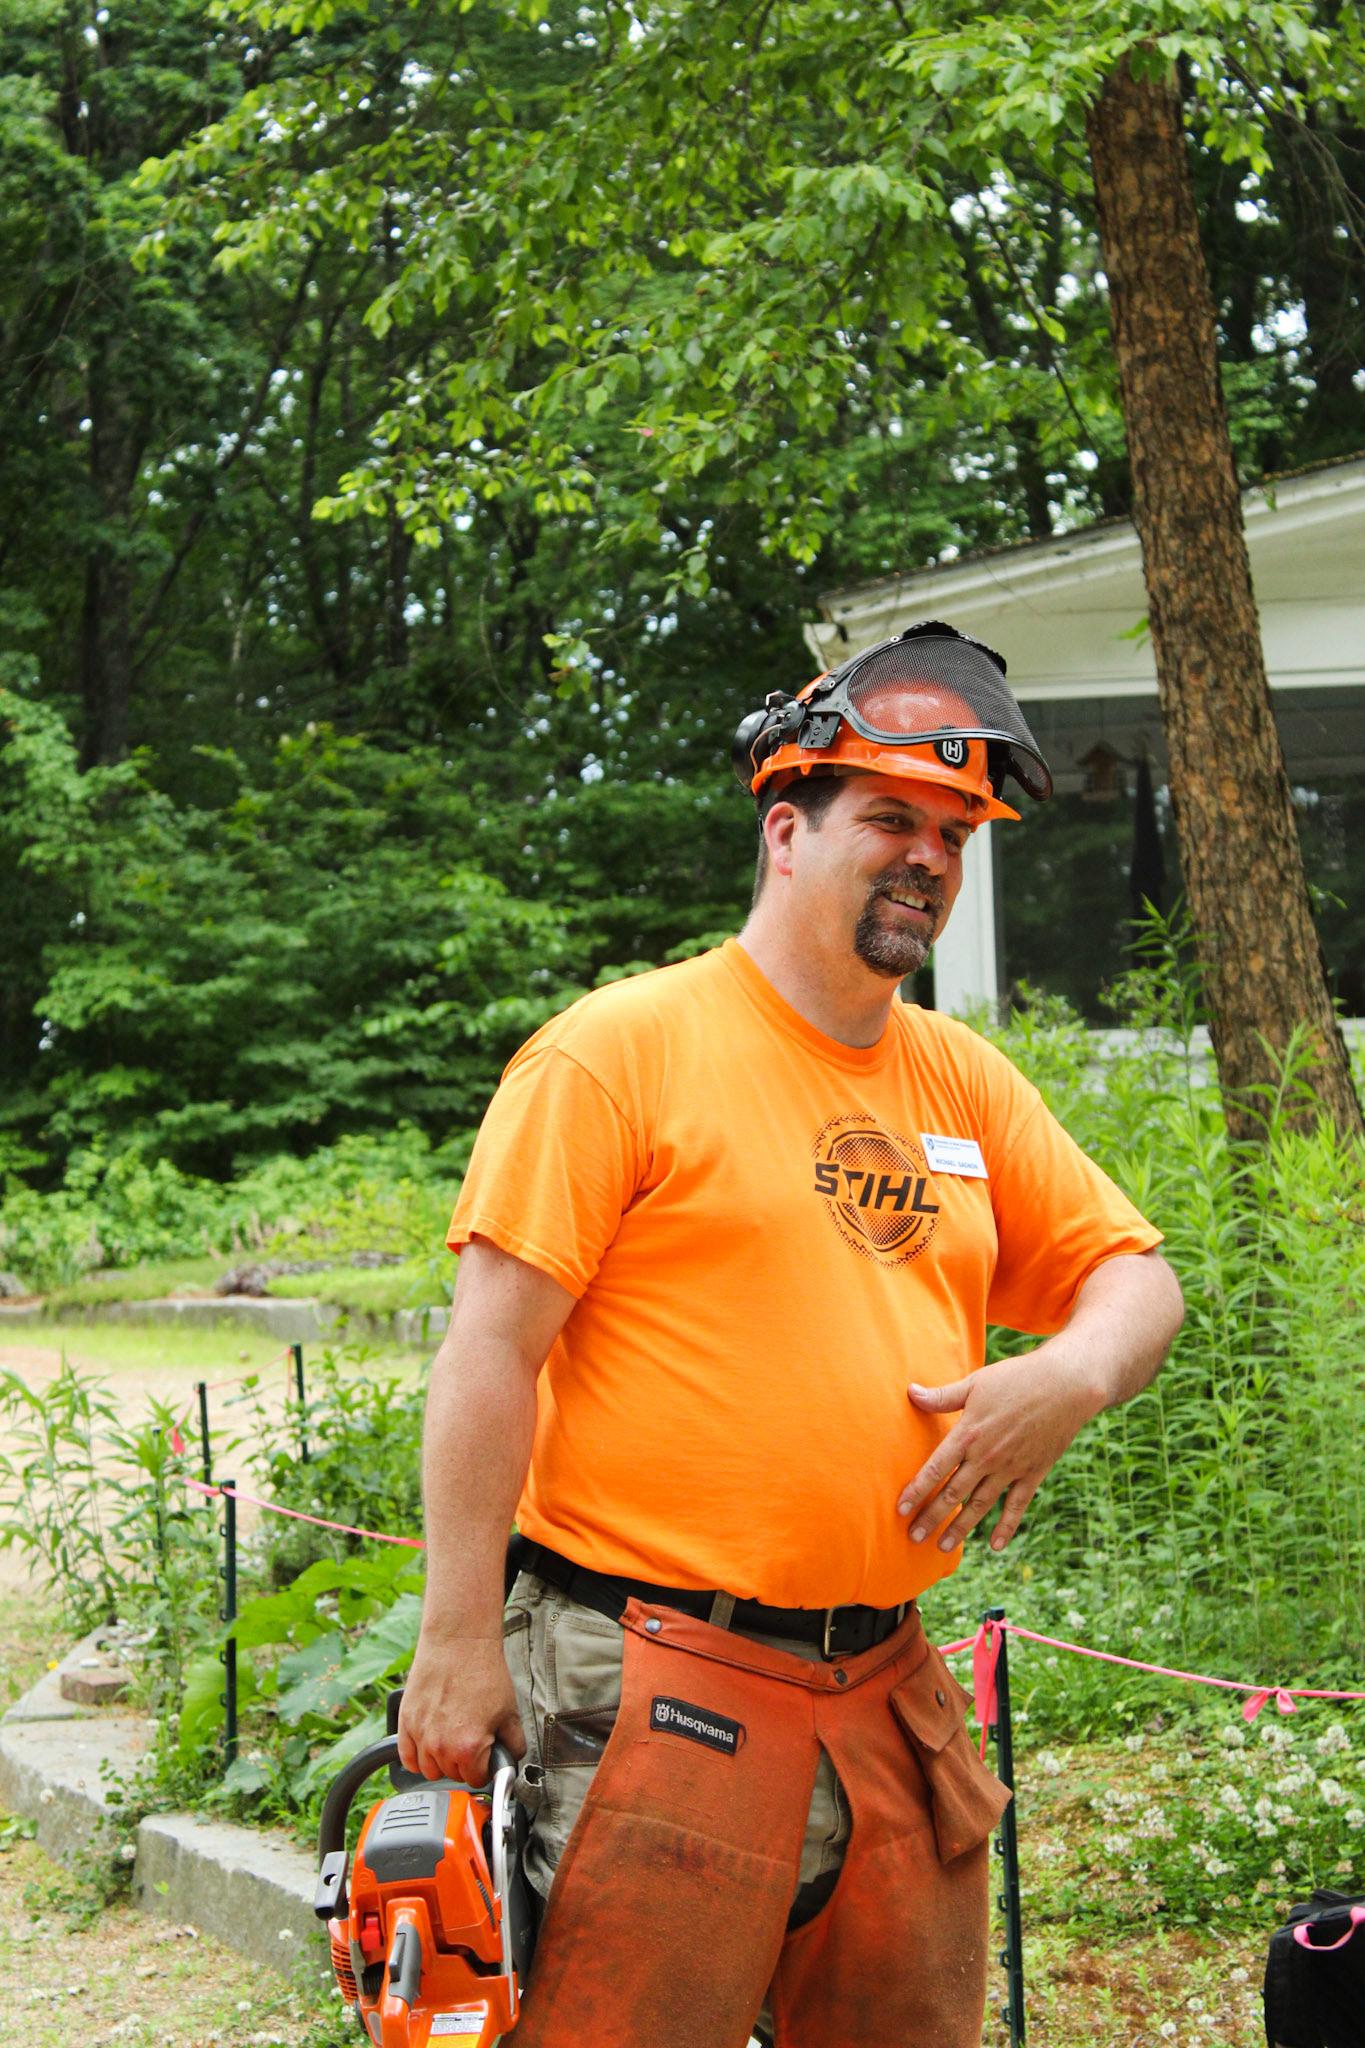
432,1942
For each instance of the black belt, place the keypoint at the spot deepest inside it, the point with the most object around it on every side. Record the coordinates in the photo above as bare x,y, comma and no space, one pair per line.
839,1631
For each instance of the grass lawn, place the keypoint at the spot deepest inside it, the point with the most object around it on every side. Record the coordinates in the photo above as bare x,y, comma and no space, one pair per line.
1100,1969
374,1290
31,1634
147,1282
157,1348
370,1290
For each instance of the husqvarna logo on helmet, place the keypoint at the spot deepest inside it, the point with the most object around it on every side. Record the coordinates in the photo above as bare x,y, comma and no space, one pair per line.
952,751
876,1187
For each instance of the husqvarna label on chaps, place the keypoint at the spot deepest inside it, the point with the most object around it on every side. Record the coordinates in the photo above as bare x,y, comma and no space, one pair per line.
680,1717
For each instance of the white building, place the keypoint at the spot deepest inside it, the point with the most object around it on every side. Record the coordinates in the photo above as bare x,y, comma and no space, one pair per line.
1047,901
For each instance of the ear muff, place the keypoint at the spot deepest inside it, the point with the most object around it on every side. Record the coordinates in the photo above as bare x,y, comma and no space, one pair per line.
763,732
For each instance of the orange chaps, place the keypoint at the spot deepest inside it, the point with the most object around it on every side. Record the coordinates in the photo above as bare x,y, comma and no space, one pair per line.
667,1920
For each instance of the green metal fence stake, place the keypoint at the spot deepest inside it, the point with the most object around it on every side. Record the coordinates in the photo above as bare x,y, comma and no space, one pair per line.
297,1350
202,1388
228,1653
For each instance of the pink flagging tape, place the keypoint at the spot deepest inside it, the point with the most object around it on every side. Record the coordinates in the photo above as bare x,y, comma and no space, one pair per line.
296,1515
985,1646
240,1379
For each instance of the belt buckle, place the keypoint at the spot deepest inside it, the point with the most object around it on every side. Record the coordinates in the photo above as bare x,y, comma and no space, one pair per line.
826,1653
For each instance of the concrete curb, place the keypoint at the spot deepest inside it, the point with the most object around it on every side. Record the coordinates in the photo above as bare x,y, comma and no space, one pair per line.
292,1319
251,1890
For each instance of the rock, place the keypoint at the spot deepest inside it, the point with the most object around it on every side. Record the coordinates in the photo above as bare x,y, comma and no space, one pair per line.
95,1688
244,1280
254,1278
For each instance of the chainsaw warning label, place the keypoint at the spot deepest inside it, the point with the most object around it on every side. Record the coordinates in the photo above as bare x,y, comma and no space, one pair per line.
698,1724
458,2023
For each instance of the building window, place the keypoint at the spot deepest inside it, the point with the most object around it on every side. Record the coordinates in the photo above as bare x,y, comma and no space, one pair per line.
1071,874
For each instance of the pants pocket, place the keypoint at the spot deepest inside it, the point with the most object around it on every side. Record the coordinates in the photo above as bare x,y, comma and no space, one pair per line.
967,1799
516,1648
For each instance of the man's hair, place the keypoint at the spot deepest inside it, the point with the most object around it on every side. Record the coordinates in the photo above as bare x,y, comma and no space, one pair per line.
811,794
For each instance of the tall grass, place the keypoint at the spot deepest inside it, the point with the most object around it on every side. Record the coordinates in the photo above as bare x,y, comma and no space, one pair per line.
1233,1491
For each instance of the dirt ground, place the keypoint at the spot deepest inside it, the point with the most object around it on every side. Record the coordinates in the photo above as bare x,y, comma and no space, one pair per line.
123,1978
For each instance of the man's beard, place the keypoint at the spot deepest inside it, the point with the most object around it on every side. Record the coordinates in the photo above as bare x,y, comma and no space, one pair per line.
892,945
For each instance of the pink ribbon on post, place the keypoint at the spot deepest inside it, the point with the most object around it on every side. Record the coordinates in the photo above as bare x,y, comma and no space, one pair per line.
1283,1701
986,1648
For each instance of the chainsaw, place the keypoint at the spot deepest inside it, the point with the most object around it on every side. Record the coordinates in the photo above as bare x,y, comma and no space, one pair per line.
433,1939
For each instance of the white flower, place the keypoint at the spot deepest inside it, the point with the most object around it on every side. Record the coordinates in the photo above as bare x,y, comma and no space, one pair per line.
1334,1741
1167,2030
1233,1737
1238,1976
1354,1817
1333,1794
1074,1618
1133,1743
1231,1798
1049,1765
128,1852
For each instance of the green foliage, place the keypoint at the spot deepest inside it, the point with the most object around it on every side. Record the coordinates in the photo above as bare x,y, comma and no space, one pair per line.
389,1194
860,232
364,1468
1215,1828
52,1501
1235,1481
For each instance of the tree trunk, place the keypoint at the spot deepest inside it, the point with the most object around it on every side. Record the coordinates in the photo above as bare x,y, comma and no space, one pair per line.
106,651
1263,966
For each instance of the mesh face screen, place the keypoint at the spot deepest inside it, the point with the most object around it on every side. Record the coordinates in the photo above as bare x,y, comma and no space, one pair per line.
916,689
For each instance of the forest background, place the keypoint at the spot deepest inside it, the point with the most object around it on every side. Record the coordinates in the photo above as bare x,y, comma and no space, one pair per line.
427,429
337,754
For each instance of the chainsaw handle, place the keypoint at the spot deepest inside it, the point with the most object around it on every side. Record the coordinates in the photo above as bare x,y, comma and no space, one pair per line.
351,1776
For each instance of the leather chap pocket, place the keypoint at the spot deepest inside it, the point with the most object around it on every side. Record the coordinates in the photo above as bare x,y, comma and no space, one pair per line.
966,1798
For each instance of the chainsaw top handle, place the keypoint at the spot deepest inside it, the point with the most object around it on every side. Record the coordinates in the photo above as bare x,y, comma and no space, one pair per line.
337,1805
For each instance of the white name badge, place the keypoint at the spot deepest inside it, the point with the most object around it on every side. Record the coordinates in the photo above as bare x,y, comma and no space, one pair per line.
954,1155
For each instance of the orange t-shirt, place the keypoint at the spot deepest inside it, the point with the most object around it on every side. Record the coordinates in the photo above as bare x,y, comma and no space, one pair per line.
768,1234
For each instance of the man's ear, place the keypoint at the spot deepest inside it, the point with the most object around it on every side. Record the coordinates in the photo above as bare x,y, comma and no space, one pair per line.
779,831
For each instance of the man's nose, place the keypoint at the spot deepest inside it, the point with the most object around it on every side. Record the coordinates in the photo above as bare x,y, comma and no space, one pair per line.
928,850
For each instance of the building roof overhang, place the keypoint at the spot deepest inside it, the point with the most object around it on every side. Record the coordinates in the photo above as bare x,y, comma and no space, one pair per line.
1068,613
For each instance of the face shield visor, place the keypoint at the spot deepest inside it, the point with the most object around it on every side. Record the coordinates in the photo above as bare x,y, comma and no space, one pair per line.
931,706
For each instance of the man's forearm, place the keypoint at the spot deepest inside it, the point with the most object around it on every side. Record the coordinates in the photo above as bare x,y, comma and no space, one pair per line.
480,1422
1121,1327
1016,1417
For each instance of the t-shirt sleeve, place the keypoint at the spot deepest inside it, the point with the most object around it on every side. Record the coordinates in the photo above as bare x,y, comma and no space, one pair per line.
555,1165
1058,1216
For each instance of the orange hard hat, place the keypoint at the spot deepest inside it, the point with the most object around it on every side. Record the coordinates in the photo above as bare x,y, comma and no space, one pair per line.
930,706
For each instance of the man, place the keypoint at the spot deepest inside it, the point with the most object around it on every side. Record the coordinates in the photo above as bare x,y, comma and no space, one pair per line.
731,1235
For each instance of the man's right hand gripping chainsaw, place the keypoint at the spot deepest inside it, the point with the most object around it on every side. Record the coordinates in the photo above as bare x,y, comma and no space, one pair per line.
434,1938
